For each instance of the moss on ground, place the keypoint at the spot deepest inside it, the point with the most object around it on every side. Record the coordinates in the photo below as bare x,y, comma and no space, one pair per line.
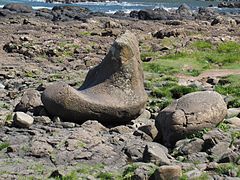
195,58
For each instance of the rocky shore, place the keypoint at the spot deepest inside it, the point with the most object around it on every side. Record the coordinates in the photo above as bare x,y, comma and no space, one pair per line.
74,103
229,5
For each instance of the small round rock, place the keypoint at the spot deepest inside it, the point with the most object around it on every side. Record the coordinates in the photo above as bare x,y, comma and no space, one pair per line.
22,120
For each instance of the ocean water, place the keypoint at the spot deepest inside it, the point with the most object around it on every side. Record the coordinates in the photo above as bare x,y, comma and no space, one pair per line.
125,5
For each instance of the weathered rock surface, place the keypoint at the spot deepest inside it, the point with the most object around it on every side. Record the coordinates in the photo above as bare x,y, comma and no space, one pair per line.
189,114
22,120
167,172
113,91
31,100
233,112
156,154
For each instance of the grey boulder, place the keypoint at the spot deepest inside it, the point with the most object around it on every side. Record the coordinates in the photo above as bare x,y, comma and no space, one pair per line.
112,92
189,114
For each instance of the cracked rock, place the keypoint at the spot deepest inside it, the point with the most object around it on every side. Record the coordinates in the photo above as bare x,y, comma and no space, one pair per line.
189,114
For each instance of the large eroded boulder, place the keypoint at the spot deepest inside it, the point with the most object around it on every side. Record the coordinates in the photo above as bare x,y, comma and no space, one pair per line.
189,114
112,92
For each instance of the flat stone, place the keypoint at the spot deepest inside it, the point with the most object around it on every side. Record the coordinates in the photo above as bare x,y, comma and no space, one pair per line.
235,121
68,124
41,149
42,119
219,150
193,146
155,153
198,157
168,172
233,112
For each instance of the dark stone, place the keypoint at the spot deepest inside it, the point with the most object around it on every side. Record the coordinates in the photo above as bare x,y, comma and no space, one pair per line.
229,5
21,8
134,14
71,9
165,33
157,14
44,15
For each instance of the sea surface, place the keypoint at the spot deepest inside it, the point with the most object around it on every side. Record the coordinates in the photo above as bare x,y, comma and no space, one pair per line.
126,5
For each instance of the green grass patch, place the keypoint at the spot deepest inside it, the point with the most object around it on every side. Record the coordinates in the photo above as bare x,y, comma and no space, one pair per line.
202,45
223,126
230,86
162,91
4,145
227,168
174,64
85,33
38,168
228,47
234,135
73,175
198,134
109,176
4,105
194,59
129,171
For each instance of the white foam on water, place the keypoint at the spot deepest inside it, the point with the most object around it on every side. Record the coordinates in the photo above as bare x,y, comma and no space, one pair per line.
166,8
110,12
1,6
111,3
41,7
127,11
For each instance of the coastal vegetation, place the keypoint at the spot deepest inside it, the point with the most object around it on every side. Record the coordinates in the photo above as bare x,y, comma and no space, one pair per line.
195,58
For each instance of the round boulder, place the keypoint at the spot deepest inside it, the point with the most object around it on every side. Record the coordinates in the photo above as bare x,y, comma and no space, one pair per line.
189,114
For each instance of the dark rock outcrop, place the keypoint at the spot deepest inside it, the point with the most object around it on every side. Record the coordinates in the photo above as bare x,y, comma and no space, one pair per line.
17,7
112,92
183,12
229,5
